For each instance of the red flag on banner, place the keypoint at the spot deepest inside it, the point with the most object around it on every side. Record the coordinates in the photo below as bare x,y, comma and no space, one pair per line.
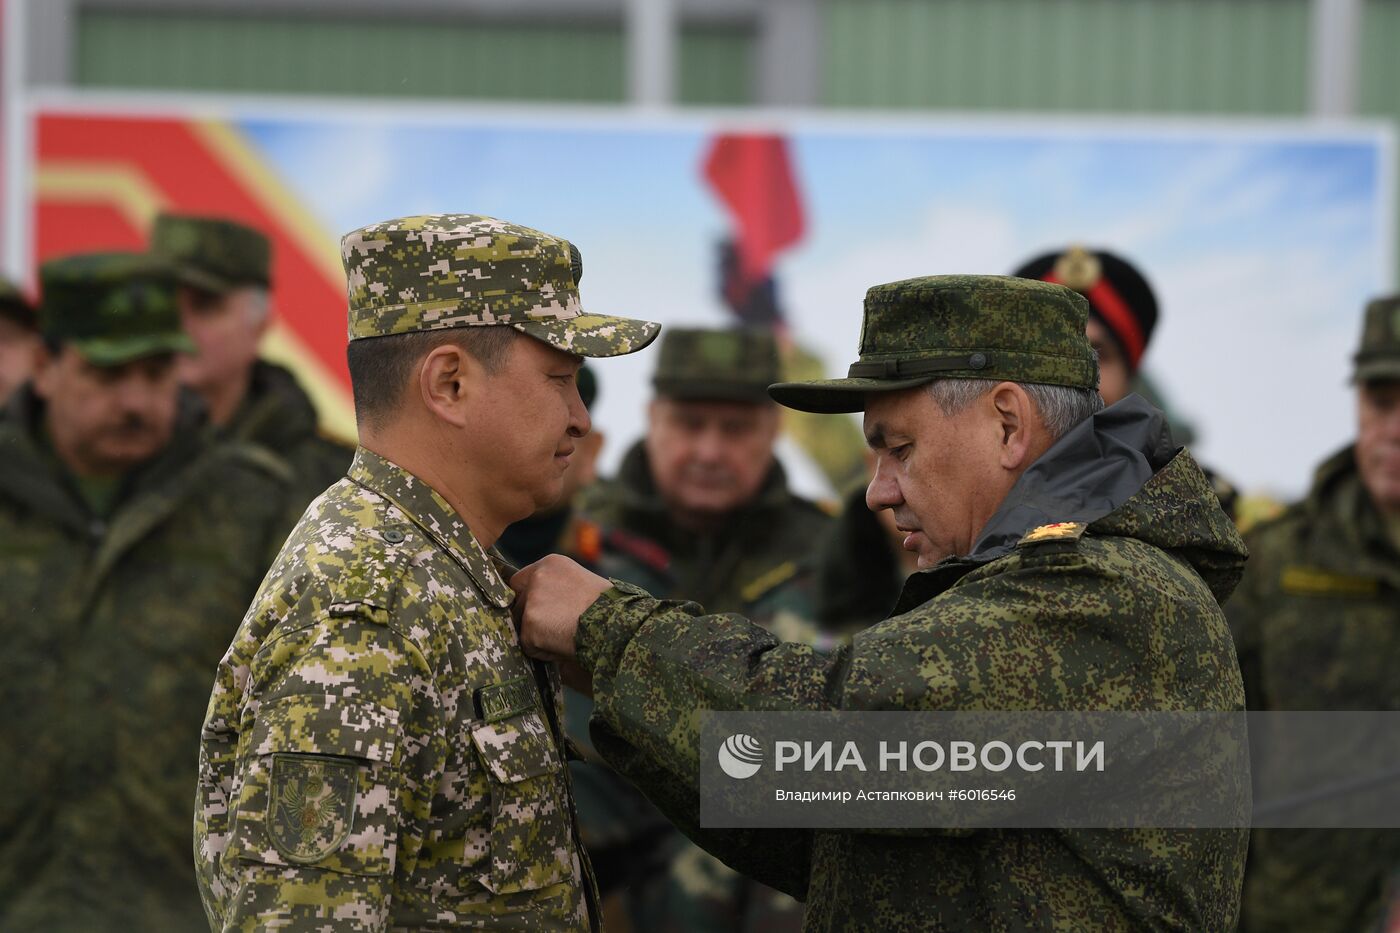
753,176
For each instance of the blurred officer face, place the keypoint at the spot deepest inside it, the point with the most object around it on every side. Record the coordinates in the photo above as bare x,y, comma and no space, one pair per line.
1378,442
709,457
944,475
106,420
18,345
226,329
1114,377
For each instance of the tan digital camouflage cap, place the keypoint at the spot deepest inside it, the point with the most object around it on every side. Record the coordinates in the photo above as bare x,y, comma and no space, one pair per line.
1378,357
733,365
465,270
958,326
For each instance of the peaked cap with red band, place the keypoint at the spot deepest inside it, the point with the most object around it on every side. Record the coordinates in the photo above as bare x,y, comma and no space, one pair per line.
1119,297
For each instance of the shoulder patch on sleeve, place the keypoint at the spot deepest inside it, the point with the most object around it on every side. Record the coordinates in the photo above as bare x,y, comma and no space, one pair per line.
1065,532
311,806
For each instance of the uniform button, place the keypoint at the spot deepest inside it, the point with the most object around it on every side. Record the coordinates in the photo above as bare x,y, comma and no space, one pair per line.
393,536
977,360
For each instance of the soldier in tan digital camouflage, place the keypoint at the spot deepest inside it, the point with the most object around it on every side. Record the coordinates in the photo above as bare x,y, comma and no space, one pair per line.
700,509
225,275
129,549
378,753
1317,624
1072,558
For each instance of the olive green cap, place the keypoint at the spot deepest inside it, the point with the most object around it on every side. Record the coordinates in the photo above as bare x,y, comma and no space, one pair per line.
15,306
1378,358
730,365
112,307
958,327
212,253
466,270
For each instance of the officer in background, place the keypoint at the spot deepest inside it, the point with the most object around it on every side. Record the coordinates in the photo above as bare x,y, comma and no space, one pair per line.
700,509
1072,559
1122,316
225,274
1317,626
129,549
19,338
378,753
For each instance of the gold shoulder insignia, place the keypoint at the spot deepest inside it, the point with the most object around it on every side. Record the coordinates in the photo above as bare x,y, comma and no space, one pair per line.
1055,531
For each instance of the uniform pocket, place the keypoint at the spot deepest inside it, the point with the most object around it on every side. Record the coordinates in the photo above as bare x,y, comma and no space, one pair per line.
318,787
530,846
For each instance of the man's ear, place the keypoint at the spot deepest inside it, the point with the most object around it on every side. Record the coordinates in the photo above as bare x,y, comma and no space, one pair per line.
1017,420
448,379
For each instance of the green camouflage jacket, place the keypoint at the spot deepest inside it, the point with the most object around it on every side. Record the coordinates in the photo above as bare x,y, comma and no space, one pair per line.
278,415
759,563
1317,625
376,753
113,629
1124,617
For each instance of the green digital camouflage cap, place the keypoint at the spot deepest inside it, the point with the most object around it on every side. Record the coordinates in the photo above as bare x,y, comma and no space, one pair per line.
732,365
1378,358
16,307
212,253
958,326
465,270
112,307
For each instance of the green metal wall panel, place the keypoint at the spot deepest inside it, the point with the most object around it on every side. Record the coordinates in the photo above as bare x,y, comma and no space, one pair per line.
1378,83
717,66
1199,56
581,61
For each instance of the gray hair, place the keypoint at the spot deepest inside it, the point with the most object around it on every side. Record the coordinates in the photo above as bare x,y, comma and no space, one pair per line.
1060,407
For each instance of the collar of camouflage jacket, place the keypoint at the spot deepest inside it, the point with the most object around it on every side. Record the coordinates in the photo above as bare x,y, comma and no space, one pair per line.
1345,521
277,412
438,520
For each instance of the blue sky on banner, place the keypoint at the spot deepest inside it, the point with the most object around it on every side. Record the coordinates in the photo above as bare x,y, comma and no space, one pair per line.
1262,245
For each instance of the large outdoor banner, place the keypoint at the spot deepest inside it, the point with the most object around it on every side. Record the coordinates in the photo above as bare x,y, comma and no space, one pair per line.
1263,243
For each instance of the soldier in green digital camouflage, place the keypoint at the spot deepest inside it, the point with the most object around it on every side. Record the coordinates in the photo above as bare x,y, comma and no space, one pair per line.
1073,559
129,548
1317,624
225,274
701,510
378,753
19,338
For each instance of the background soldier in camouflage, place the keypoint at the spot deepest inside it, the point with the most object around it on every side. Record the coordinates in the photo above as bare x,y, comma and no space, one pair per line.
19,338
377,751
1317,624
224,269
700,509
1114,606
129,549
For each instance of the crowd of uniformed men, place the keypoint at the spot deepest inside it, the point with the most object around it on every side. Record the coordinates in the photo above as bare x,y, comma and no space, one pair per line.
379,751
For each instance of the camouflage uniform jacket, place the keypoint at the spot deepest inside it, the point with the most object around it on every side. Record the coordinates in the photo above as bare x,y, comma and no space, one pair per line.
759,563
278,415
376,753
1124,617
1317,625
113,628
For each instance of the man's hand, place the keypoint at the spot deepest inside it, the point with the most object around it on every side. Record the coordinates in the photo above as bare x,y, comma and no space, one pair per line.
550,595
